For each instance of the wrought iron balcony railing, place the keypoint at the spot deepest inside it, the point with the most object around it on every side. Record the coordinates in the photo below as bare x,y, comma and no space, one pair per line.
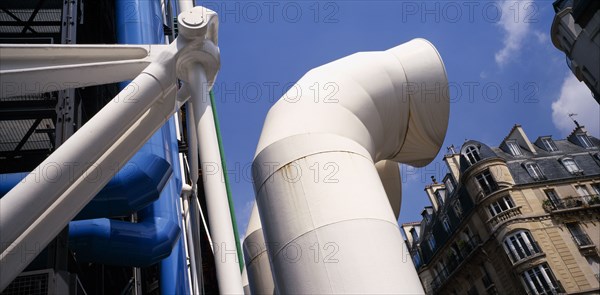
582,240
454,261
548,289
571,203
525,254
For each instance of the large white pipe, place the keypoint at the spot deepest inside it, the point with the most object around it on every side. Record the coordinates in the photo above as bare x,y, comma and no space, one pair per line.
328,224
221,225
389,173
258,270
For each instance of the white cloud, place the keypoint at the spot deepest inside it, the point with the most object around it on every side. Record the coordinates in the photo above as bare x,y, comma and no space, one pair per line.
541,37
576,98
514,21
244,218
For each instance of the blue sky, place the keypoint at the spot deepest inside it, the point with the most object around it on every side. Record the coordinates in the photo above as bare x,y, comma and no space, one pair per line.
501,64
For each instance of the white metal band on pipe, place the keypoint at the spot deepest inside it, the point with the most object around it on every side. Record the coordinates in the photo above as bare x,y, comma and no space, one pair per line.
221,227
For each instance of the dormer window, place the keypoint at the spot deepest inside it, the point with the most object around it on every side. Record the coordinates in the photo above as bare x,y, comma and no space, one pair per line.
413,233
426,217
446,224
431,242
440,195
457,208
449,185
417,259
585,141
472,154
534,171
571,165
549,144
514,148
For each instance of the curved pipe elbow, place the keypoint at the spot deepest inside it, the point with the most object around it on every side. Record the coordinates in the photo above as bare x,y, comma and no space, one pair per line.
393,103
115,242
124,243
134,187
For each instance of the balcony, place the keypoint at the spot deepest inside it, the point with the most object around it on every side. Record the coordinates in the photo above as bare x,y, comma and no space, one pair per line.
571,203
548,290
504,215
454,262
534,252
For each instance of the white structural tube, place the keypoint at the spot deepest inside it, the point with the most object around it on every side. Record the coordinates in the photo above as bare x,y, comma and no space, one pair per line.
258,270
221,226
327,221
39,207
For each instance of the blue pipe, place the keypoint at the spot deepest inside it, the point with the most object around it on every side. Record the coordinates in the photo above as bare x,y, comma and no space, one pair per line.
134,187
174,269
117,242
157,235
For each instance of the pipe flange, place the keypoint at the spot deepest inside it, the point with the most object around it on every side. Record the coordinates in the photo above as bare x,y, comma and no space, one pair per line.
199,23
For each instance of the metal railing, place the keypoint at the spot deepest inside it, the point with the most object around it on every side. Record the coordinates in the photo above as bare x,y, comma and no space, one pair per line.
466,247
550,290
571,202
582,240
534,250
504,215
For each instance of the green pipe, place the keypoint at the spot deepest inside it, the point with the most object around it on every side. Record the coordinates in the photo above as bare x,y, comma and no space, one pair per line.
226,177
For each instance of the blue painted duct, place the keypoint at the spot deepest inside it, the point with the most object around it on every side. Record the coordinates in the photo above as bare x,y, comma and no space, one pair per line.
134,187
123,243
156,237
150,184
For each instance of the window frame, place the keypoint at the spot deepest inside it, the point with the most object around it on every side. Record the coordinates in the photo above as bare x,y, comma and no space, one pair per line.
431,242
544,270
520,245
579,188
596,188
568,167
553,196
584,140
506,200
514,148
414,234
539,175
457,207
446,224
438,196
549,144
417,259
491,186
449,185
472,151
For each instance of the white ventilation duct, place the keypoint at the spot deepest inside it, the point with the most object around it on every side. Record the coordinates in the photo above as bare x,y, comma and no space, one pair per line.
328,225
258,276
257,261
